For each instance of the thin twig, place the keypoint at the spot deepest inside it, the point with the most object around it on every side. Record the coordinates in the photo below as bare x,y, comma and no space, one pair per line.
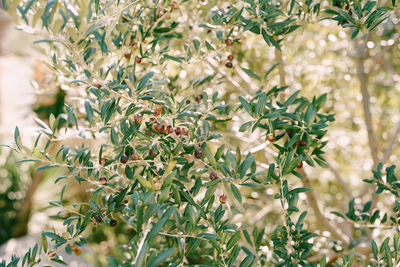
146,231
321,219
396,129
391,143
230,80
340,180
182,236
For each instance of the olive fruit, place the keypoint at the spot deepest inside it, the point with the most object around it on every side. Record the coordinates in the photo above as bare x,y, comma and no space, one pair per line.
103,161
174,4
124,159
103,180
98,218
199,98
198,153
134,45
184,131
152,153
223,198
270,137
213,176
300,164
158,109
169,129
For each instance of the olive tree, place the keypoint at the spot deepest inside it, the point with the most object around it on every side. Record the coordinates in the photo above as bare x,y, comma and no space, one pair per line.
154,91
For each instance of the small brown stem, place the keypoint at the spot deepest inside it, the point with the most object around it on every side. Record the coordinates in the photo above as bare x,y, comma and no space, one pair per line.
340,180
322,220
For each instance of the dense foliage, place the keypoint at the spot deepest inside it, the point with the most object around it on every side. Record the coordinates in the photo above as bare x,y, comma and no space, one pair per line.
149,105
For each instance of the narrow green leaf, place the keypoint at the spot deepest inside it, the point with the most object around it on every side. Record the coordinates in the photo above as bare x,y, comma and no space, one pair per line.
17,138
245,126
245,165
45,41
94,206
247,261
322,262
245,104
114,136
291,99
59,261
89,111
144,182
62,193
41,123
275,43
290,165
209,236
161,258
27,160
236,193
86,221
297,191
233,240
374,249
44,242
54,236
157,227
140,260
210,158
251,73
46,14
337,214
47,166
196,44
260,107
269,70
144,80
266,37
388,254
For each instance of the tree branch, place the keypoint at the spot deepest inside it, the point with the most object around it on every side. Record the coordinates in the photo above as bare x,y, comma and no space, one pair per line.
392,140
391,143
25,211
396,129
321,219
340,180
362,76
230,80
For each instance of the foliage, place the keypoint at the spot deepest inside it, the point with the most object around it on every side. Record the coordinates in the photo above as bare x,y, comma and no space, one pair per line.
149,124
13,187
